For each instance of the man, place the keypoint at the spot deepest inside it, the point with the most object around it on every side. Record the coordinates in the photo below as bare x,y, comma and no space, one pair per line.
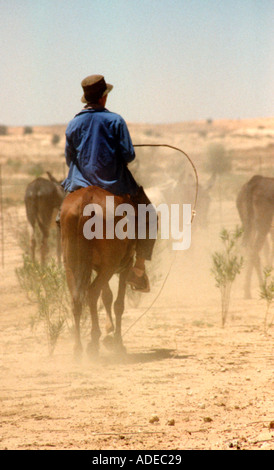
98,149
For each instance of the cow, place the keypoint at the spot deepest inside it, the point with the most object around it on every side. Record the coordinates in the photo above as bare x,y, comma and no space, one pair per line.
255,204
43,198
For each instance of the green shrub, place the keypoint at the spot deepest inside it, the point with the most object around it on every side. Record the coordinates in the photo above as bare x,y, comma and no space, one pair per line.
55,139
45,285
35,169
14,164
226,265
27,130
3,130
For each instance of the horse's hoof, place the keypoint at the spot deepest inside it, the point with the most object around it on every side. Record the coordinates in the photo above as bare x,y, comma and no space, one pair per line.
121,350
109,342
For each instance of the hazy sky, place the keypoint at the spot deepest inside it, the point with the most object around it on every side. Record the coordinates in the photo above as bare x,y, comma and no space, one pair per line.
169,60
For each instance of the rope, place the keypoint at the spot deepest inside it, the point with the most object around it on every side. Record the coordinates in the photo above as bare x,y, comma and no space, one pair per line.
154,300
190,161
193,214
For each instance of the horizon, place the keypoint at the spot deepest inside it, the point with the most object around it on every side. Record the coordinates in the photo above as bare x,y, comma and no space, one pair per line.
131,123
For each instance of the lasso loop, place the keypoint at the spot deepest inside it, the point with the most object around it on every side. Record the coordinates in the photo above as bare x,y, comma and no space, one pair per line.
190,161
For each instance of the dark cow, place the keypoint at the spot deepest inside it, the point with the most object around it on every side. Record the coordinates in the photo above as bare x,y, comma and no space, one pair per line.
43,198
255,204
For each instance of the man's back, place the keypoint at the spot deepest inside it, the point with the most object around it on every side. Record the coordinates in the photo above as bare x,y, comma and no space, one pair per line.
98,148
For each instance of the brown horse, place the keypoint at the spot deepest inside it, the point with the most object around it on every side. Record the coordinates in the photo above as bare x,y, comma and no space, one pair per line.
103,256
255,204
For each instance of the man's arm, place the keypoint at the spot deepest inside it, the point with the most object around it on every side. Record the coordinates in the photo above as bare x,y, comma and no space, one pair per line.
70,153
126,149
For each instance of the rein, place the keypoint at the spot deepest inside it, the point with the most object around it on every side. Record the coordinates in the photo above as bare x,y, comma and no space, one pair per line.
192,217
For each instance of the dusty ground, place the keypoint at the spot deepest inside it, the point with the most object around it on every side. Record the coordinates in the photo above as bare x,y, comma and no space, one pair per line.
185,382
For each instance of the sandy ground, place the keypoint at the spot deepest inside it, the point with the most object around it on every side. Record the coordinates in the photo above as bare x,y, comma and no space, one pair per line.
185,382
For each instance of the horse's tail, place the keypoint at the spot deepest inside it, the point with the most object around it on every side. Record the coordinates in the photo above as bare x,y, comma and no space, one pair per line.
83,266
77,258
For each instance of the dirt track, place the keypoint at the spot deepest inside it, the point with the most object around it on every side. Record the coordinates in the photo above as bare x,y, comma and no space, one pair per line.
185,383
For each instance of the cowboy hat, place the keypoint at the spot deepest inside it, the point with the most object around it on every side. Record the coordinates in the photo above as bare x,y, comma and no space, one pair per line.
94,87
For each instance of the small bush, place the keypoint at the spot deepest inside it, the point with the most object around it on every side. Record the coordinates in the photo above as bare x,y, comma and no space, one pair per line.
226,265
27,130
14,164
46,286
35,169
55,139
3,130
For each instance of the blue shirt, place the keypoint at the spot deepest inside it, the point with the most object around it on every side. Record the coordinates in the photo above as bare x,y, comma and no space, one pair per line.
99,142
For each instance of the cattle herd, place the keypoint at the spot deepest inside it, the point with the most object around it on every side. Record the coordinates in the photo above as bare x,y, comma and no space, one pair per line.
43,199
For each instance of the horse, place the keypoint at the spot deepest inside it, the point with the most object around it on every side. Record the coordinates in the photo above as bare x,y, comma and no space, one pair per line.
255,204
84,256
43,197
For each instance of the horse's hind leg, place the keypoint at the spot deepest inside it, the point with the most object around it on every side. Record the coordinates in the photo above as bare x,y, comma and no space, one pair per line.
76,310
107,298
94,291
119,306
70,263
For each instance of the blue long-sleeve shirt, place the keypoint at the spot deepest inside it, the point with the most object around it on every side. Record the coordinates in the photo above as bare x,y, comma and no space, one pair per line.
100,142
